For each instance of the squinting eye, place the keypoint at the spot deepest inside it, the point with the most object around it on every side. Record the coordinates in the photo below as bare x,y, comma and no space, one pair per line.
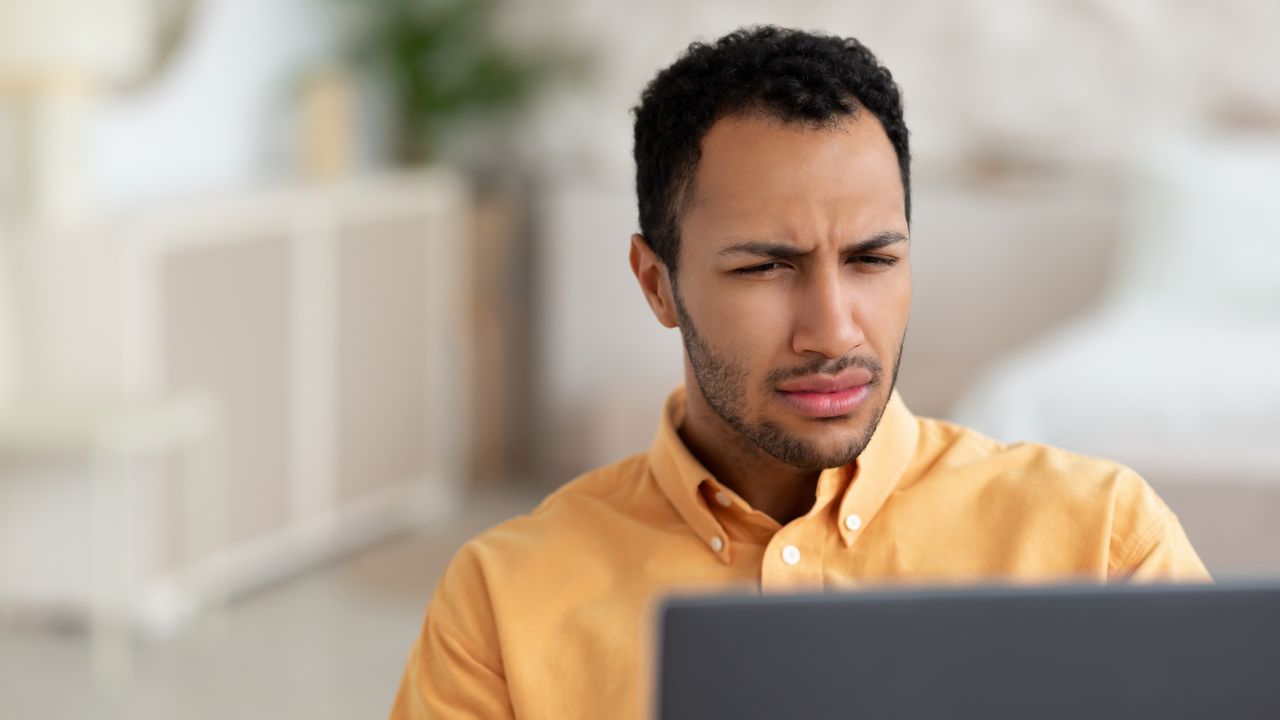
755,269
873,260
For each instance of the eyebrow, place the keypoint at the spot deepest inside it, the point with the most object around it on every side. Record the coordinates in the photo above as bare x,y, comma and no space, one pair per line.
784,251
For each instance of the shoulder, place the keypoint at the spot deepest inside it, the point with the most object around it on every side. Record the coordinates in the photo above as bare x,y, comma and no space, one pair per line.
951,449
586,506
554,537
1040,479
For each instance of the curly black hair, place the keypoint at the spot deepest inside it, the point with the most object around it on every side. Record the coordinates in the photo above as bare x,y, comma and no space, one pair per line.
790,75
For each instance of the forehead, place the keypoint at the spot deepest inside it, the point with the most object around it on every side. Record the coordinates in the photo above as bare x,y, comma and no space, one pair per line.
760,174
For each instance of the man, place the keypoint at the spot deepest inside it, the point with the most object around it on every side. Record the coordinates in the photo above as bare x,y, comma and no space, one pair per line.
774,193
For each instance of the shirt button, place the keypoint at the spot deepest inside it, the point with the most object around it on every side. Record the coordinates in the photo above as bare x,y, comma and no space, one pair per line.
723,498
852,521
716,543
791,554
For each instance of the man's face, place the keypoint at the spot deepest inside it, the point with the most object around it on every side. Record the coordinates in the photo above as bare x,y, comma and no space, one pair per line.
794,283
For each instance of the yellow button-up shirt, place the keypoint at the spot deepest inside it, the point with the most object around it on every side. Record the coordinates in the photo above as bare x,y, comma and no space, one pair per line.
550,615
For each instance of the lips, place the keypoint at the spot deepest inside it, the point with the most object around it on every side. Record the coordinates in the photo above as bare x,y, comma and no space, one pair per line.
849,378
823,396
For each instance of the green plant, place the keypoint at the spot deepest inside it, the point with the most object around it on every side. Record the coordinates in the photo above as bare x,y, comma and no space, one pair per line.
441,65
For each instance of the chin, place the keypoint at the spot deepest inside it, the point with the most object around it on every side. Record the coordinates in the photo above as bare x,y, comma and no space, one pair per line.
829,434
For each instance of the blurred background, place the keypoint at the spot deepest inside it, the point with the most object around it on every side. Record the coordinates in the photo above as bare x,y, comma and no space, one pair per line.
297,295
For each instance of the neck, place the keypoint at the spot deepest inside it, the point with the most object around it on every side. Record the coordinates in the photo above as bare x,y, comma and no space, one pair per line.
782,491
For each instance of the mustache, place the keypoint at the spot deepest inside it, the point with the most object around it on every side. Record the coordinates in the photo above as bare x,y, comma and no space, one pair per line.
827,367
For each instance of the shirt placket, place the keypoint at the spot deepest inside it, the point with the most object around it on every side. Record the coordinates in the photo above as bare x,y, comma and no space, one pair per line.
793,559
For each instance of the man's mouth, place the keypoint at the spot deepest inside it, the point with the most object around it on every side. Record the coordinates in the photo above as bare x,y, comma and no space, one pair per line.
827,395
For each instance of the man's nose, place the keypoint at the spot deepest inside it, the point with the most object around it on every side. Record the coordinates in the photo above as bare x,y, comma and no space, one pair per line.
826,321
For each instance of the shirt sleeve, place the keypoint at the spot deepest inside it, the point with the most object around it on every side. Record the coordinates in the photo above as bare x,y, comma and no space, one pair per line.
1149,542
455,669
1167,556
445,679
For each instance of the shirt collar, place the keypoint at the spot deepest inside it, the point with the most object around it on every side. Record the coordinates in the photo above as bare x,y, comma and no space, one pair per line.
875,473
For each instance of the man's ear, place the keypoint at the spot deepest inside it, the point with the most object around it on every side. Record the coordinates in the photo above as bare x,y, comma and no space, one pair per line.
651,272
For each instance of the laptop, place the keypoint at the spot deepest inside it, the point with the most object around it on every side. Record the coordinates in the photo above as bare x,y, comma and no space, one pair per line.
1100,652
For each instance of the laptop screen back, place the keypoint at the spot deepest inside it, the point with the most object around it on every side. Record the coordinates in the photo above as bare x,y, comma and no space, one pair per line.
1158,651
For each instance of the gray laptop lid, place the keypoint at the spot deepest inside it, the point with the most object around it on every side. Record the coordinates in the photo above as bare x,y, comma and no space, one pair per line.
1099,652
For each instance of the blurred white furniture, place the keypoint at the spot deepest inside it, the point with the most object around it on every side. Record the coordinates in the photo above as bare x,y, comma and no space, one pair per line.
110,443
56,57
327,325
1175,373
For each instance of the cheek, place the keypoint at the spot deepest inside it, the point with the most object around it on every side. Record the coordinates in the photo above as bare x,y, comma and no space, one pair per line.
882,313
751,327
753,335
